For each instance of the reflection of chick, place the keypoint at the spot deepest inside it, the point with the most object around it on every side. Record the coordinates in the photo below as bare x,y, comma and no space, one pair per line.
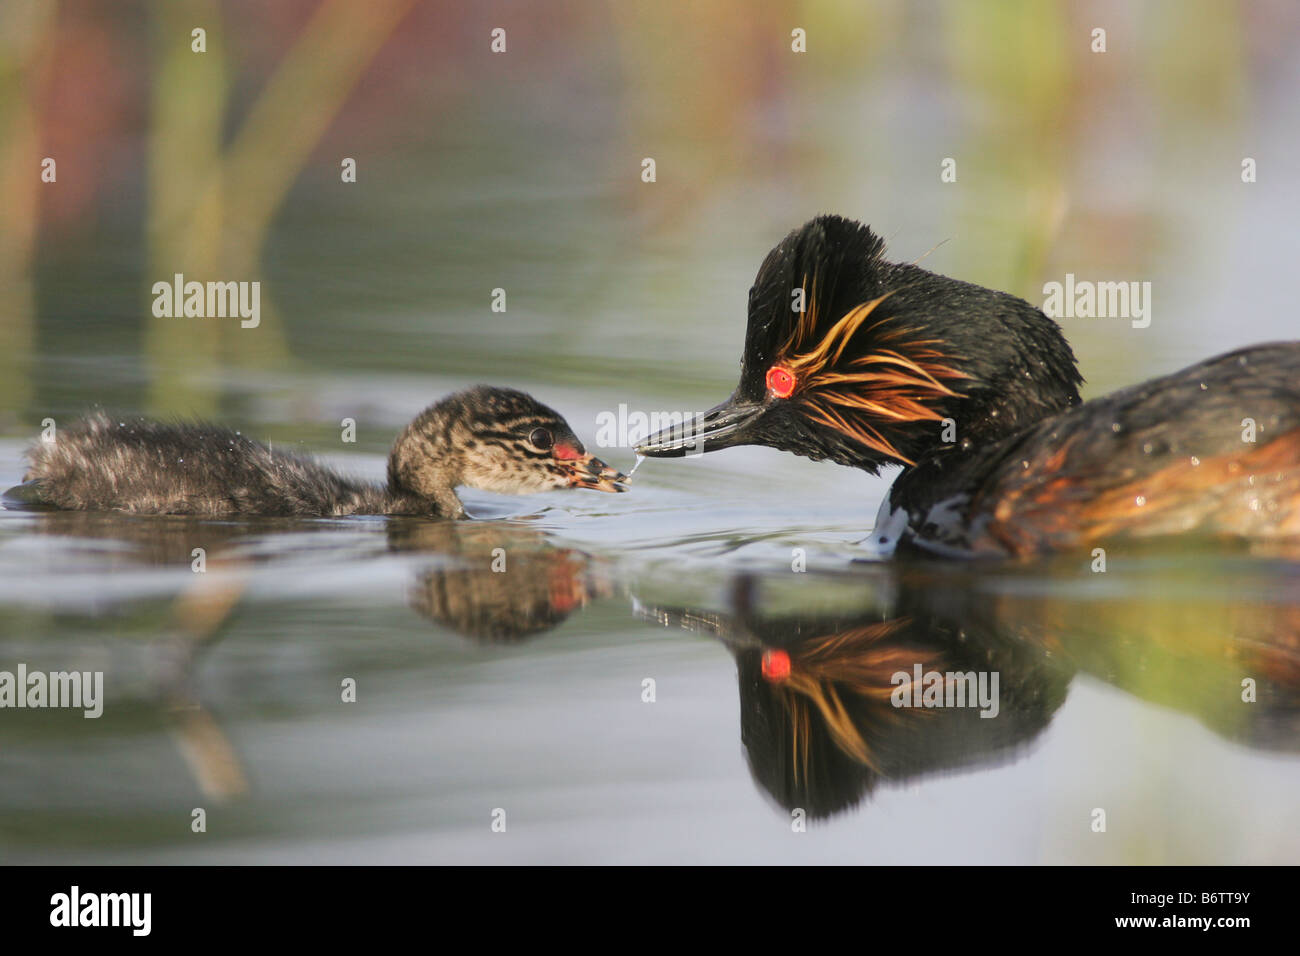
495,582
535,594
166,540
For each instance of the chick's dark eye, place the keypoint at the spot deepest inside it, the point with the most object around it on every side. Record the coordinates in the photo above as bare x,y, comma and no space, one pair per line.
541,439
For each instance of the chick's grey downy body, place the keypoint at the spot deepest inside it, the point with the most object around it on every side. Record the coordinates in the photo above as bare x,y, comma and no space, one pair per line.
491,438
103,463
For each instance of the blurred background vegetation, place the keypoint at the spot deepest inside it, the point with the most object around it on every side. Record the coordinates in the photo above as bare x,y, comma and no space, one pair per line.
521,170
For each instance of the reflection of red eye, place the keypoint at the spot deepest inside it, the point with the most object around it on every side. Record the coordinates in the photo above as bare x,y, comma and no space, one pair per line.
776,665
780,381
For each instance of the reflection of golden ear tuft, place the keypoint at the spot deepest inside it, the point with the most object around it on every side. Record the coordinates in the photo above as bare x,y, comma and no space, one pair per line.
827,673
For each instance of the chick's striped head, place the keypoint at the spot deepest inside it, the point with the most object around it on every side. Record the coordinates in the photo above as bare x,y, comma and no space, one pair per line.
495,439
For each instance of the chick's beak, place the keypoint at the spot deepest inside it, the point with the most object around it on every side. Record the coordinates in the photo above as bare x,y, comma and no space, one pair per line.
590,472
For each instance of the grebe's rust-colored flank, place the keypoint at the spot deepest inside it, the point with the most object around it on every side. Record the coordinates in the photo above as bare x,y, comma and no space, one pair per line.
495,439
974,393
1211,451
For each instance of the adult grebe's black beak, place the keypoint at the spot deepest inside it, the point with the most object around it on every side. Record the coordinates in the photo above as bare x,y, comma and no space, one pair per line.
721,427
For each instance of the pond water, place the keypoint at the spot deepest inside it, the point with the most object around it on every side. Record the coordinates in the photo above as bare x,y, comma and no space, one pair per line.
700,670
525,691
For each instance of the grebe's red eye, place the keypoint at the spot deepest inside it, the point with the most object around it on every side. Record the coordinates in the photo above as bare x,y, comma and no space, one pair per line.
780,381
776,665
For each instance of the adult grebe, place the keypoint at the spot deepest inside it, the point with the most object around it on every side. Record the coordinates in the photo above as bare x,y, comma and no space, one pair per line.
975,393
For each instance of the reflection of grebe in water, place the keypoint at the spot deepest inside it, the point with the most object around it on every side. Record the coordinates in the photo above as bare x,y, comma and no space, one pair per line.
485,580
830,707
975,394
495,439
495,582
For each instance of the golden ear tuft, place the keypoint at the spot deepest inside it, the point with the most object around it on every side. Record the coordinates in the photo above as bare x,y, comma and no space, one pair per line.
892,383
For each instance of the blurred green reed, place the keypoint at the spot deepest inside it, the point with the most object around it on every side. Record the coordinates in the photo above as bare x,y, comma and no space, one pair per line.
522,170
